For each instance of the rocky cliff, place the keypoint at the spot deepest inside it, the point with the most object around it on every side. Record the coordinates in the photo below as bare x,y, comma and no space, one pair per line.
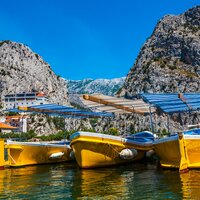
169,61
22,70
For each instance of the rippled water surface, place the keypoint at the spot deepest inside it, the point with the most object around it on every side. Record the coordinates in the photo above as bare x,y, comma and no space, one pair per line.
67,181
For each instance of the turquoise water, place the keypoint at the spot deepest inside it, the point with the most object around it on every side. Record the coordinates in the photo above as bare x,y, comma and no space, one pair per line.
67,181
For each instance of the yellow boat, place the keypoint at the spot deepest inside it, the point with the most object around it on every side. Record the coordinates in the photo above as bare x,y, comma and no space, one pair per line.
180,150
32,153
98,150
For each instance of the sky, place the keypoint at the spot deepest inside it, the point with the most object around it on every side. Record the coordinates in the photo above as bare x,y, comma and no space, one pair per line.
86,38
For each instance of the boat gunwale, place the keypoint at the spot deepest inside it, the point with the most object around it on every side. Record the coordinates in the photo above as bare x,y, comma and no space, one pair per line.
175,137
191,136
166,139
39,144
105,137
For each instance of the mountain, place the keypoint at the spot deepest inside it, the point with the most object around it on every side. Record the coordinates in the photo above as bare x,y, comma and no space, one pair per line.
89,86
169,61
22,70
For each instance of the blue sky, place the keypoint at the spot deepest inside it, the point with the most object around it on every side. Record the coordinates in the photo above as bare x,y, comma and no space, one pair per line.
86,38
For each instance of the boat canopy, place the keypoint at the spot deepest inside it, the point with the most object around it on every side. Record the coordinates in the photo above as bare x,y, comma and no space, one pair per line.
59,110
174,103
117,105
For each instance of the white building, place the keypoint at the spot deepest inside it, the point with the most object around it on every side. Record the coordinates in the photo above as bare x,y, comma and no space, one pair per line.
23,99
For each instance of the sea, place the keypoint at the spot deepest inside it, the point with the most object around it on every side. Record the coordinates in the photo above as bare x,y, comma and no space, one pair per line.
67,181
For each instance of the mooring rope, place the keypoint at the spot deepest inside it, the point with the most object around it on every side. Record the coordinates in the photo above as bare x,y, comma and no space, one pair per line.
113,155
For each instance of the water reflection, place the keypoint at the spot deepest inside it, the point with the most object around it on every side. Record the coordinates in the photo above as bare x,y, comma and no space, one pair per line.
107,183
191,184
21,179
136,181
36,182
67,181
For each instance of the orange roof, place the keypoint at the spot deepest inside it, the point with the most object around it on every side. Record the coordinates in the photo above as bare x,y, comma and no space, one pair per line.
6,126
40,94
16,117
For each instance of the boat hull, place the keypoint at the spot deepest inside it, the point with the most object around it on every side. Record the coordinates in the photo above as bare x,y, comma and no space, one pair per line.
168,152
33,153
173,150
192,148
98,150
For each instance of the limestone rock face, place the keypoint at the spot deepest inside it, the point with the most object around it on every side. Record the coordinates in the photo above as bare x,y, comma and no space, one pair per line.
169,61
44,125
22,70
